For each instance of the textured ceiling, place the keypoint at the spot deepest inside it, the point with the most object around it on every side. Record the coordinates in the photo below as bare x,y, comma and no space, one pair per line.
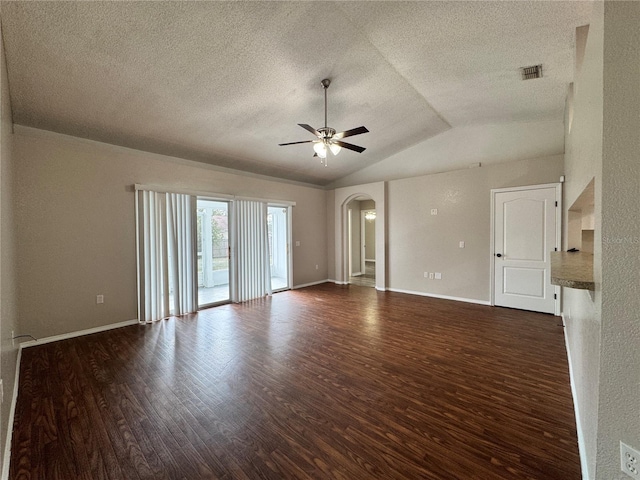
225,82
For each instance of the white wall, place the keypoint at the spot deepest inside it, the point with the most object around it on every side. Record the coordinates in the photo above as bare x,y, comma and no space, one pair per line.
76,235
420,242
8,308
619,392
603,328
581,308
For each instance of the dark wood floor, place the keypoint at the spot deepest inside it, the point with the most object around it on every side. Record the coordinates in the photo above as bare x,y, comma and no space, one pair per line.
324,382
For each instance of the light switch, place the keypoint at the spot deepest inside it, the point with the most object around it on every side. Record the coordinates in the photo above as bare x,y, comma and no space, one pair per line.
461,244
297,243
434,211
438,276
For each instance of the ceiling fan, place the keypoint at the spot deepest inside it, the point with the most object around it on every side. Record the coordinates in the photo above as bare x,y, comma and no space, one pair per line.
328,139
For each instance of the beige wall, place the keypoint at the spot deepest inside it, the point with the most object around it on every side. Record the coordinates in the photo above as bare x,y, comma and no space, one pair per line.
356,238
369,231
370,238
8,309
420,242
331,235
581,308
619,392
76,233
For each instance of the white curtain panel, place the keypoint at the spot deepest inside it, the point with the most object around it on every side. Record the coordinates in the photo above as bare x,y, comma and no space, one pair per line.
183,279
167,283
253,278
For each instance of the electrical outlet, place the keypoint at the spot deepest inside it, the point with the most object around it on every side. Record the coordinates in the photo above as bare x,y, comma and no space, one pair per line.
434,211
297,243
629,461
99,298
461,244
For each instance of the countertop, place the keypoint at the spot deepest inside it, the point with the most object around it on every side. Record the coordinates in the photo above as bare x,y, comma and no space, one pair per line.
572,270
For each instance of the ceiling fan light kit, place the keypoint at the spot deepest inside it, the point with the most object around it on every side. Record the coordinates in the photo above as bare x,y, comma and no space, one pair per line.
328,139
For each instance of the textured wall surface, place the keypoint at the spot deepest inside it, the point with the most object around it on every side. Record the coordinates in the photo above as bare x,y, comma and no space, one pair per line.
581,309
76,231
420,242
619,405
8,309
356,236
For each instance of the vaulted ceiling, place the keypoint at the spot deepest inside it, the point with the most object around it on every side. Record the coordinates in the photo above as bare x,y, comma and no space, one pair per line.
225,82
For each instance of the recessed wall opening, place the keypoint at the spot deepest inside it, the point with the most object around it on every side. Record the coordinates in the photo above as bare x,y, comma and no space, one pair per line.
361,233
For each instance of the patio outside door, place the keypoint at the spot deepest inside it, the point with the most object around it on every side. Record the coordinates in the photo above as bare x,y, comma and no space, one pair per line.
213,252
278,225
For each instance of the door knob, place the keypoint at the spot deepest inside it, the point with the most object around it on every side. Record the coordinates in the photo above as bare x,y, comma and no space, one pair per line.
498,255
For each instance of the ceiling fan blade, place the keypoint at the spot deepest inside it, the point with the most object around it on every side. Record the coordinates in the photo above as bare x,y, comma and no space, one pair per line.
350,133
295,143
310,129
350,146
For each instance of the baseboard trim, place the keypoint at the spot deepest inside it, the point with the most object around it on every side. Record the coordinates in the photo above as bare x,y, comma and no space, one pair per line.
443,297
79,333
337,282
576,409
12,410
311,284
6,458
356,274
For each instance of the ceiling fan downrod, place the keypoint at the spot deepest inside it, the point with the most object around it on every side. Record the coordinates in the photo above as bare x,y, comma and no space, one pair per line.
325,84
327,138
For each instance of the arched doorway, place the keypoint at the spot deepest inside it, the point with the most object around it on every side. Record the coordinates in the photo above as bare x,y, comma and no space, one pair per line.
343,196
361,257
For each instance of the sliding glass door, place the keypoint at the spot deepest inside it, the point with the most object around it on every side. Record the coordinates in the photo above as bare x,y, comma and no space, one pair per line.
278,226
213,252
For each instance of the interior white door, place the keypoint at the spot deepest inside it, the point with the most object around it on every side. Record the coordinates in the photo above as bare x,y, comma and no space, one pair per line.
525,228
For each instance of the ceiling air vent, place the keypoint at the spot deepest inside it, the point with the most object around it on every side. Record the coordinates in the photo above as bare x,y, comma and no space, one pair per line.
529,73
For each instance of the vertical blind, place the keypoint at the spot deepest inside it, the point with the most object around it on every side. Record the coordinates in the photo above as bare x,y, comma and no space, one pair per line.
253,273
167,253
167,277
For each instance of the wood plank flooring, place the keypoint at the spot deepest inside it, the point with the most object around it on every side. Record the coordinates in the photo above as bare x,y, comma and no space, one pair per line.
326,382
368,278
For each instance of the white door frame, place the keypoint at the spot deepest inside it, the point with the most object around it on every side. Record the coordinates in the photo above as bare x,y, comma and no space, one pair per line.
289,241
494,191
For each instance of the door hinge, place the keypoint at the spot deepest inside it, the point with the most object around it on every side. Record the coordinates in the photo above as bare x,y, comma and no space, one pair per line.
555,249
555,296
556,203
